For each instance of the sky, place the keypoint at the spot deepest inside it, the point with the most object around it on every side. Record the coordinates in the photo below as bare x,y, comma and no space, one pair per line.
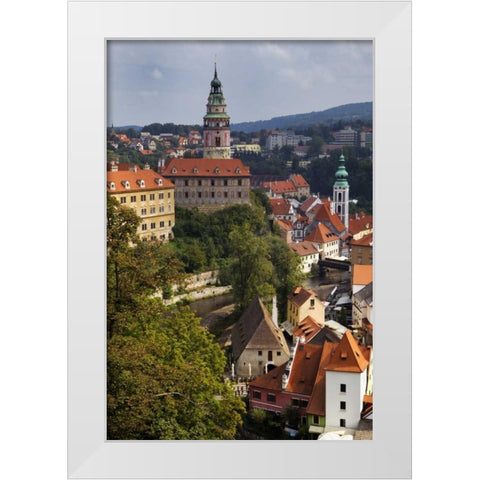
169,81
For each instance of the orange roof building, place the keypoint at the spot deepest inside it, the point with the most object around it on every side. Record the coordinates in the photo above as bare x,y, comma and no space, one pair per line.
149,194
361,275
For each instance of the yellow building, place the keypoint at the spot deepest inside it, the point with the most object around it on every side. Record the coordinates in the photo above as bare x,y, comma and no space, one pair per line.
149,194
303,303
252,147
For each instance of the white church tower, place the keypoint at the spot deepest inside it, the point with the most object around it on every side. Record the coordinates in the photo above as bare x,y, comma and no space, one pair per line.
341,193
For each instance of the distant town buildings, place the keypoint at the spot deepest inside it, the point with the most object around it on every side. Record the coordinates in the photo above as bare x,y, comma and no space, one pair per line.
283,138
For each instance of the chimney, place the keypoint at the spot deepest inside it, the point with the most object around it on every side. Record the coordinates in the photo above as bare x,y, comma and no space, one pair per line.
146,166
275,311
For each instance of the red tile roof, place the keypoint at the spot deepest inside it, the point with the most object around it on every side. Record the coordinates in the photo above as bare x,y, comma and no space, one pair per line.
205,167
347,356
281,186
365,241
359,223
303,248
286,225
306,205
362,274
323,215
280,206
299,181
304,369
307,328
150,178
321,234
300,295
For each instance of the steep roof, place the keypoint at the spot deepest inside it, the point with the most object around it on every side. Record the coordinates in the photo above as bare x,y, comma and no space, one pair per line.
316,405
308,203
303,248
304,369
307,328
298,180
362,274
321,234
284,224
150,178
347,356
324,215
365,294
255,329
300,295
324,335
205,167
280,206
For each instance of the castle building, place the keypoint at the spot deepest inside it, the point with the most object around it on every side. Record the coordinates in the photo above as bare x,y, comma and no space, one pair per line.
216,180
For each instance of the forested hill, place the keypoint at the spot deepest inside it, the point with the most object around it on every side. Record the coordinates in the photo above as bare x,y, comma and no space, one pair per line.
349,112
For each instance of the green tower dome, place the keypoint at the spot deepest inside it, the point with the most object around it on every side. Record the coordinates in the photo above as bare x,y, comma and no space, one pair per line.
216,84
341,174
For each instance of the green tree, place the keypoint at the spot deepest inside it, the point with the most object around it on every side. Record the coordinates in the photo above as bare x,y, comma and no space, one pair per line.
164,378
251,269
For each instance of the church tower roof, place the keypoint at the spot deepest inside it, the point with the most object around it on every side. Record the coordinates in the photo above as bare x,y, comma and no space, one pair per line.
341,174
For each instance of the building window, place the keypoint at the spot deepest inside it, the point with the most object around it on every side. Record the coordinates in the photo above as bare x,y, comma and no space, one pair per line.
161,209
169,223
225,183
152,225
212,183
143,211
162,224
199,194
212,194
168,195
239,194
316,419
270,397
133,198
152,210
342,422
225,194
295,402
123,199
160,196
152,196
260,353
186,194
303,403
343,405
279,353
143,198
343,387
257,394
312,302
144,227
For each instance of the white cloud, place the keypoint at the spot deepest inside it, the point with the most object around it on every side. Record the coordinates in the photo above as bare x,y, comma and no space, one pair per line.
157,74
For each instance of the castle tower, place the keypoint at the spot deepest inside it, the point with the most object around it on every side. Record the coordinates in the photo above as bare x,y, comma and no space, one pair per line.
216,123
341,190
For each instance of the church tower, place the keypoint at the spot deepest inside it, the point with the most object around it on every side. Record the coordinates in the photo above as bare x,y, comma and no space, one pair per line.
341,193
216,123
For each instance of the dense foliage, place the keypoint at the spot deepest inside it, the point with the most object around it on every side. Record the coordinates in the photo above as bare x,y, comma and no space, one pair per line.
164,371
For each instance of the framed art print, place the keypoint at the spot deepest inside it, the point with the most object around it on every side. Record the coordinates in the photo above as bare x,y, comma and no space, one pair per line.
239,288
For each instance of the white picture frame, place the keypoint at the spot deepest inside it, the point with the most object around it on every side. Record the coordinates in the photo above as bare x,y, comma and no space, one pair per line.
90,24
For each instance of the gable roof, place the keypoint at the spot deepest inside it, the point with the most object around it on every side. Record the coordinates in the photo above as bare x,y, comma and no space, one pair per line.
359,222
321,234
347,356
255,329
303,248
307,328
324,215
280,186
300,295
365,294
304,368
362,274
284,224
280,206
308,203
298,180
205,167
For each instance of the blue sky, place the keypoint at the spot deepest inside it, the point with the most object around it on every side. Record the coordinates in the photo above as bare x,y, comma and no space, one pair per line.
169,81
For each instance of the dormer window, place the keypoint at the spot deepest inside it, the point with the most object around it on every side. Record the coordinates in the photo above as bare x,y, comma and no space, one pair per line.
237,170
126,184
159,180
217,170
112,185
174,170
141,183
195,170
